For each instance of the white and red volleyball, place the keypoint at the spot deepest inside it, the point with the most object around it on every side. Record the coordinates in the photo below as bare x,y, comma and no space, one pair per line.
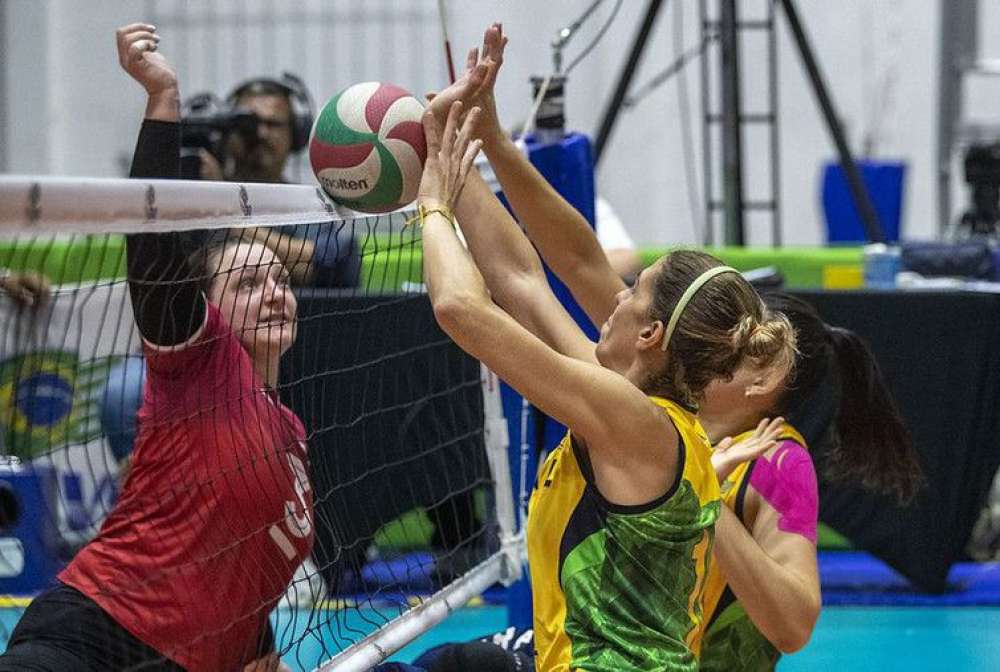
367,147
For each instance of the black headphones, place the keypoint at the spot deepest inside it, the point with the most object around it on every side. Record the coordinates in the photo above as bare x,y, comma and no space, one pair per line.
299,101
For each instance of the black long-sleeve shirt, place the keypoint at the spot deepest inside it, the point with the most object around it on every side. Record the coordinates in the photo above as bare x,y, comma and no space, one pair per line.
168,302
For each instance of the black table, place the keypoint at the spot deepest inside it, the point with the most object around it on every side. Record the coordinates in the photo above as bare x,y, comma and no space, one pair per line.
940,353
394,414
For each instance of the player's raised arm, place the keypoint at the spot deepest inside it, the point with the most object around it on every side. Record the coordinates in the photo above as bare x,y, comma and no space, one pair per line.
565,240
168,303
508,262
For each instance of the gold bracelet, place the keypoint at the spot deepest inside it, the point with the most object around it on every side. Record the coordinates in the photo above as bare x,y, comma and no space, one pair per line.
424,212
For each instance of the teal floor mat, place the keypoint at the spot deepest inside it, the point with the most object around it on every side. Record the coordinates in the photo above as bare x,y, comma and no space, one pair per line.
847,639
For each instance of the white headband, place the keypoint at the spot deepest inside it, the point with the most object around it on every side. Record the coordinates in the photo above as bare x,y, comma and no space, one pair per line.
692,289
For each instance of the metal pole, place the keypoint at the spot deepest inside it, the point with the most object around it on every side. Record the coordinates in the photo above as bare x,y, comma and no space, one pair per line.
625,79
732,133
772,68
959,50
869,218
4,97
708,185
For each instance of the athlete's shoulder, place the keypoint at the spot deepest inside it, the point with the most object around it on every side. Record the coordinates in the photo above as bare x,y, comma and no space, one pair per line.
188,359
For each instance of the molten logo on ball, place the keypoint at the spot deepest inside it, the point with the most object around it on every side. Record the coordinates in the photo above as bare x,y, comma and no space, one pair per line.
344,187
367,147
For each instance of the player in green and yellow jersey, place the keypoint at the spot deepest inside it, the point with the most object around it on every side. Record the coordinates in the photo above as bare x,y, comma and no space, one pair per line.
620,525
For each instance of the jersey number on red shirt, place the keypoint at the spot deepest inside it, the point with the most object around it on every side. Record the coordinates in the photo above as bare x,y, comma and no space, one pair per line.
298,516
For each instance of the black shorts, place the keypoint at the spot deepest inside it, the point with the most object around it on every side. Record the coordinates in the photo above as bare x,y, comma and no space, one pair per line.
63,630
512,650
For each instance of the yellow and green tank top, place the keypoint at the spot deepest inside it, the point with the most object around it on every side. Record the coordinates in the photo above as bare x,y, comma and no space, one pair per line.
731,640
619,588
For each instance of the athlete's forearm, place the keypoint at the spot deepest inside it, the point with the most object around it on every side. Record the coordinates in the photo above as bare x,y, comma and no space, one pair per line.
296,254
565,240
781,603
503,254
454,284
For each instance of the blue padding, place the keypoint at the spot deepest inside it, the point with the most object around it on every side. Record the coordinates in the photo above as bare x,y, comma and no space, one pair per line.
856,578
849,578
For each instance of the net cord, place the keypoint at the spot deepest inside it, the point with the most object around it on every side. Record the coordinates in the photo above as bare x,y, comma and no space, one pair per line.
378,646
31,205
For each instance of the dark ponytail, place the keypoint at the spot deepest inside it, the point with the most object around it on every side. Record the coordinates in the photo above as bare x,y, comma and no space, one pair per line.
837,395
873,446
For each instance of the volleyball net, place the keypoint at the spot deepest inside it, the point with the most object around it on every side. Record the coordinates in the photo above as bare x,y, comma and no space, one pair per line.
405,484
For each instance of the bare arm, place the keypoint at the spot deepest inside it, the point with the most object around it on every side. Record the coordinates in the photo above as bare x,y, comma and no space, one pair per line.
513,272
773,574
296,254
26,288
561,234
575,393
506,258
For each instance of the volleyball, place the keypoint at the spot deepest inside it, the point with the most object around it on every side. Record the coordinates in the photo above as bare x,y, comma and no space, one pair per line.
367,148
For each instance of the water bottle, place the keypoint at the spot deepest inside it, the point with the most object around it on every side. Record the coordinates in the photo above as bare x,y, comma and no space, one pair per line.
882,262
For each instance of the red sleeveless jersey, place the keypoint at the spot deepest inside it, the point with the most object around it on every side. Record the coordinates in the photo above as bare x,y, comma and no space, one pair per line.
216,513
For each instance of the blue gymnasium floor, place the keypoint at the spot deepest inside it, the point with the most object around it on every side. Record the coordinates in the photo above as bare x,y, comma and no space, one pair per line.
871,621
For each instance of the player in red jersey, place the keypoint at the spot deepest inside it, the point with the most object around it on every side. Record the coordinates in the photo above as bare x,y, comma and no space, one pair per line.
216,513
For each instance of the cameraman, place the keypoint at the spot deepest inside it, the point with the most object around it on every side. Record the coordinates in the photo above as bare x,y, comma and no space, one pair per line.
316,255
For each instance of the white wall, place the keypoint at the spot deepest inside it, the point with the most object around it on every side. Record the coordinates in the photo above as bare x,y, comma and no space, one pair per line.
71,111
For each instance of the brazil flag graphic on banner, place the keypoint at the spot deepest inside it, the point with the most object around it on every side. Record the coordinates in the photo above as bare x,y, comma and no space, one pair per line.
50,400
54,368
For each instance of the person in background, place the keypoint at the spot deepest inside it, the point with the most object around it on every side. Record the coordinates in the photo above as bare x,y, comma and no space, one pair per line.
617,244
27,289
316,255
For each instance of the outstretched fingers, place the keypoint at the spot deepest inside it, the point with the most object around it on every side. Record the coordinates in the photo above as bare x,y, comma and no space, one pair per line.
494,43
451,128
466,148
770,431
133,40
432,133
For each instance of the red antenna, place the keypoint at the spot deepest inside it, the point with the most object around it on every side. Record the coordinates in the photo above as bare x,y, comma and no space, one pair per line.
447,43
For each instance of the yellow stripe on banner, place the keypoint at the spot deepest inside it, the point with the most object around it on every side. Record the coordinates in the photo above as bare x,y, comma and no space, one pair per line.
13,602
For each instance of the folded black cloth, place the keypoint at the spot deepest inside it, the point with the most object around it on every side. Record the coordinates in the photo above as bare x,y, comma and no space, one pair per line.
968,259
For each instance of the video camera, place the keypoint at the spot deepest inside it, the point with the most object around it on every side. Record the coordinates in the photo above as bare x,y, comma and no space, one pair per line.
982,173
206,123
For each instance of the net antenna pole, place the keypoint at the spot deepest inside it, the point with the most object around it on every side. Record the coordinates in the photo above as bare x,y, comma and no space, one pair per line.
443,18
625,79
497,440
859,192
